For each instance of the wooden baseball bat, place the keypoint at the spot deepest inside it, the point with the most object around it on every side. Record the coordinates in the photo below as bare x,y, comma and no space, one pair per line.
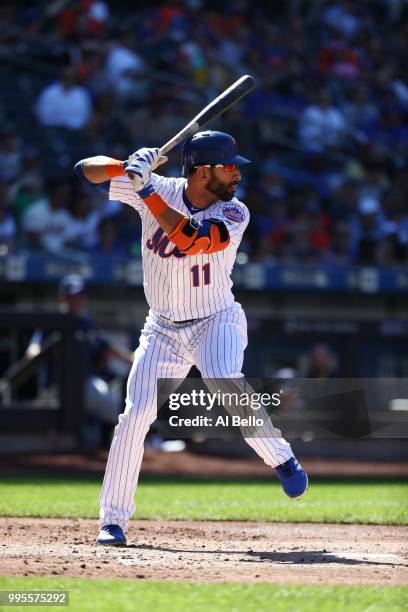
223,102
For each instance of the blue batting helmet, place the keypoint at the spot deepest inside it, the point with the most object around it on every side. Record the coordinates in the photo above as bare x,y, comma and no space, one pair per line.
210,147
72,284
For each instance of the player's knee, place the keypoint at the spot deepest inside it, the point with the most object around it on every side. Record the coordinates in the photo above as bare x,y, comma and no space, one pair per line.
142,411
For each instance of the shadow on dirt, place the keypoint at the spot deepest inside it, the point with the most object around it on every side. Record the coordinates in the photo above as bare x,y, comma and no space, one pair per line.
305,557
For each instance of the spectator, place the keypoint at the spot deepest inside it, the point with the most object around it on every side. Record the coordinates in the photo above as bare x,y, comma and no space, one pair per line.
128,228
29,184
270,210
8,228
367,230
107,243
338,65
47,225
124,68
395,211
297,247
342,17
340,250
103,397
359,109
10,156
321,362
84,221
98,16
321,125
105,125
64,103
389,131
339,61
76,19
390,250
343,203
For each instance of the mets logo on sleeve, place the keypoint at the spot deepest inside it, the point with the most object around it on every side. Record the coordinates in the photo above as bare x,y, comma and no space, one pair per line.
233,213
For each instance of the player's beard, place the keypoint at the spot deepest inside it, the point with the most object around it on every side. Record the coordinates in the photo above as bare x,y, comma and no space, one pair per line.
220,190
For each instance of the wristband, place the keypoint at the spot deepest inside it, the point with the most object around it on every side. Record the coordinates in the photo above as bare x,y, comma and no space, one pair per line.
153,201
155,204
115,169
147,191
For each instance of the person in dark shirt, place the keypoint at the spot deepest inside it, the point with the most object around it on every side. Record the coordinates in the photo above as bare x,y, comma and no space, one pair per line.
103,394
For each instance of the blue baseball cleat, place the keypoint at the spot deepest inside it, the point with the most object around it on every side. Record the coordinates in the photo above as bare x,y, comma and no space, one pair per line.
293,478
111,535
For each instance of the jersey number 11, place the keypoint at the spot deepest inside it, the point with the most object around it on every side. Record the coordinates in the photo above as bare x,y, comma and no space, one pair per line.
195,272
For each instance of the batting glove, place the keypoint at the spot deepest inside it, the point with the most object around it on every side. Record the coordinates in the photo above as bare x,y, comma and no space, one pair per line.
139,172
152,157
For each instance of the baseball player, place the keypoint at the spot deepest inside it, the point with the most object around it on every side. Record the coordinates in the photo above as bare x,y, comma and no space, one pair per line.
191,229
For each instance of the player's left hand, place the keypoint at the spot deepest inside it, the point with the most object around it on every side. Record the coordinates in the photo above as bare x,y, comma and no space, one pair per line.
139,172
152,157
140,165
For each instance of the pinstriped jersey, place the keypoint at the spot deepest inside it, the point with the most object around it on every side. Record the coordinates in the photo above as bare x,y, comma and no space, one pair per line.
178,286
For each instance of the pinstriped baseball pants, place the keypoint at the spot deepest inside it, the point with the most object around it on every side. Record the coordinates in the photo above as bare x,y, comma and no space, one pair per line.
216,346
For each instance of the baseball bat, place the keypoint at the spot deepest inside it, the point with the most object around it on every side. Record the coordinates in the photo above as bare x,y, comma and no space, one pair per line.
223,102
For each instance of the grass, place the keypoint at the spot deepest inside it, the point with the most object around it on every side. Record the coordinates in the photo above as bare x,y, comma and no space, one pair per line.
342,501
127,595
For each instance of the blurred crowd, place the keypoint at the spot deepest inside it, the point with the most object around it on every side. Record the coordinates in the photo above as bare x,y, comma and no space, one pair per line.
326,127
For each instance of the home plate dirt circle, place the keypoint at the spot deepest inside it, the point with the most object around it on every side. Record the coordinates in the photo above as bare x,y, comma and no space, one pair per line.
209,551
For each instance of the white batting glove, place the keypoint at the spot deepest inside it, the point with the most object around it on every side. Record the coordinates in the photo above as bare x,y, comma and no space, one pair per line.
140,174
150,156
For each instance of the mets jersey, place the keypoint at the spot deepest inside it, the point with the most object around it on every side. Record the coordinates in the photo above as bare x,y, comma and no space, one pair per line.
181,287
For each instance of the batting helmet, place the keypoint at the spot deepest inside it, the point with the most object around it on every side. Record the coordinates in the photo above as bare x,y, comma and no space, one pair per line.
72,284
210,147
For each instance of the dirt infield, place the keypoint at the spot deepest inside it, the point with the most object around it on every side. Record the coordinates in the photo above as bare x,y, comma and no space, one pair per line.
209,551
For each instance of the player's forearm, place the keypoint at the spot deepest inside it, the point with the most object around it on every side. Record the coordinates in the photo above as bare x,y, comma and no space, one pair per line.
190,236
101,168
169,219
